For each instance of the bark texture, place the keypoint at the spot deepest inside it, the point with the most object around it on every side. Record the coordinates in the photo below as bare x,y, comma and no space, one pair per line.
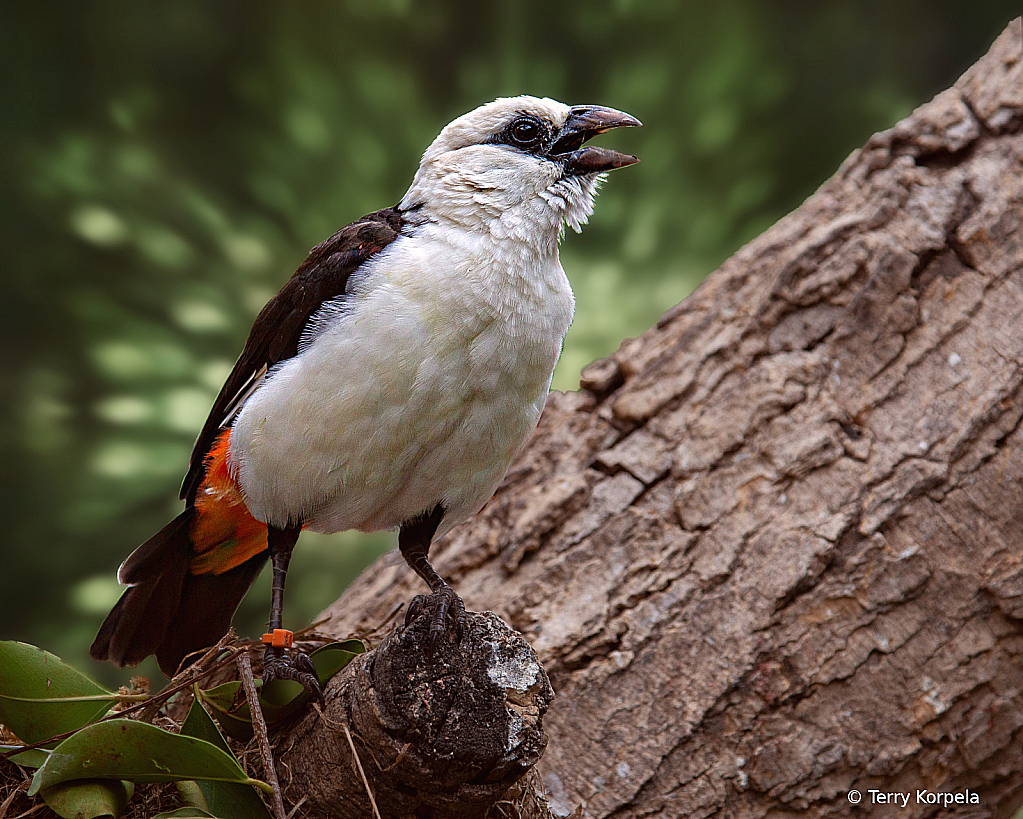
771,551
444,735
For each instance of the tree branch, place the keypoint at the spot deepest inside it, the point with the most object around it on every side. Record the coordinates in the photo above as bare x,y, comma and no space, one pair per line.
446,735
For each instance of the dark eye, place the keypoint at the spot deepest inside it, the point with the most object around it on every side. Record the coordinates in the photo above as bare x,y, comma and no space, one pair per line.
525,131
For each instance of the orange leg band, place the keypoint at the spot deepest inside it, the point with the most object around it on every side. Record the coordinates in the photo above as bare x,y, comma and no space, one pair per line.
279,638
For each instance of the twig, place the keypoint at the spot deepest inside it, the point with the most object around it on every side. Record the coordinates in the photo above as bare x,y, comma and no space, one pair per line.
296,806
31,810
311,628
8,800
192,672
259,729
355,755
229,639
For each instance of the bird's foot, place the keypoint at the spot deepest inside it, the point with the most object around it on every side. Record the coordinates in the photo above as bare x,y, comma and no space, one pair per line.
293,665
447,610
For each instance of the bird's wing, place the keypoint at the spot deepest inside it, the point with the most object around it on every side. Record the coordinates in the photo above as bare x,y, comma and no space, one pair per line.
278,328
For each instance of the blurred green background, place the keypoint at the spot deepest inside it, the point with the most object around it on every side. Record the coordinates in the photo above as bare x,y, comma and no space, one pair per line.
167,165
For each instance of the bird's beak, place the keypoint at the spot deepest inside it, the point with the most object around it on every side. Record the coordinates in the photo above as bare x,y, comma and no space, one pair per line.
583,123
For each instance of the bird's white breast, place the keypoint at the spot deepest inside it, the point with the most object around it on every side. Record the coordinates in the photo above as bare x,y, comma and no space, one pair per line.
417,388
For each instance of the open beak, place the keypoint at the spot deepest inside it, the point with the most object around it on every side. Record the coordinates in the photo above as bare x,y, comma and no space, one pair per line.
585,122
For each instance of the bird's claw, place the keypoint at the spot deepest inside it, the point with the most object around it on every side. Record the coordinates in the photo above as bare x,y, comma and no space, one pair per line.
448,610
295,665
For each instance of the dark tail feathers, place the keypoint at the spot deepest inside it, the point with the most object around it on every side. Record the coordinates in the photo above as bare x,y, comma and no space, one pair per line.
167,611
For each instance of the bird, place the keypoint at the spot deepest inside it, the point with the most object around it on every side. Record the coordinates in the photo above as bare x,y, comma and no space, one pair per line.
388,385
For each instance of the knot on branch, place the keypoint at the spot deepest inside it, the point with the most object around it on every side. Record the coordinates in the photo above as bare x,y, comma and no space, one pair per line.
446,735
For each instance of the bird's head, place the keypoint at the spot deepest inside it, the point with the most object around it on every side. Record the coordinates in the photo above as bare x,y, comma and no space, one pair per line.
518,167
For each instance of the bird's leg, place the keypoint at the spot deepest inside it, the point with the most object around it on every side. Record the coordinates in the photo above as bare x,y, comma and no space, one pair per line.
276,664
414,543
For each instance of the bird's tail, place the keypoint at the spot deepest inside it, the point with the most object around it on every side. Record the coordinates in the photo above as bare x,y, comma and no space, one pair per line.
188,579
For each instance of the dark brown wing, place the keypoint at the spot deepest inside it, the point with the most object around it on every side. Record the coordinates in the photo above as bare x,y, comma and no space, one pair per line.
278,327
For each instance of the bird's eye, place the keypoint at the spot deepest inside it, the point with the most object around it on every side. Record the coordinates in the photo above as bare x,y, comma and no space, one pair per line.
525,131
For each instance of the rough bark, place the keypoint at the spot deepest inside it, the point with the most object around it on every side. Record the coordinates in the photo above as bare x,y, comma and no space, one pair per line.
442,735
771,551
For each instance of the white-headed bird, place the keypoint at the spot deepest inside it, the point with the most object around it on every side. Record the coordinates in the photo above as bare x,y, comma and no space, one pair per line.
387,386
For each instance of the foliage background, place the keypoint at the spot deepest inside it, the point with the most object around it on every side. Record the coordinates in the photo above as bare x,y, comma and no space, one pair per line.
166,166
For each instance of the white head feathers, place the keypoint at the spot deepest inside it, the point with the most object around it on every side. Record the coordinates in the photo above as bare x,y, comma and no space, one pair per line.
475,175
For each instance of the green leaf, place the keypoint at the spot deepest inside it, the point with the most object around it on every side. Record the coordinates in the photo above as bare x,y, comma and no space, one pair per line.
190,794
198,724
186,813
32,685
227,702
352,646
139,752
227,800
89,798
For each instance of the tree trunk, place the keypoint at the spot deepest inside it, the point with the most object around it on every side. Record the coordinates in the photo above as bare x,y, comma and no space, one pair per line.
771,552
